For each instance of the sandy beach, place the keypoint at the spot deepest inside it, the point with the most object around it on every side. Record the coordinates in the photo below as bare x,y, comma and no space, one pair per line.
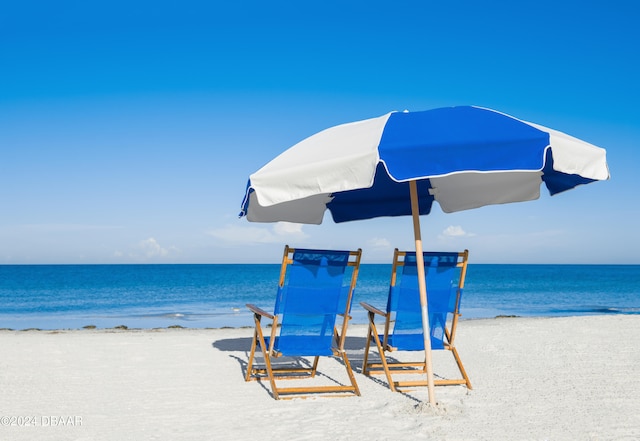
574,378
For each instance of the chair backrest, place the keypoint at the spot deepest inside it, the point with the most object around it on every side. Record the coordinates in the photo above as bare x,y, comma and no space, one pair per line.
445,273
315,286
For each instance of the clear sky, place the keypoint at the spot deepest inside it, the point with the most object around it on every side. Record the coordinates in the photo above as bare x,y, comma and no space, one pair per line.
128,129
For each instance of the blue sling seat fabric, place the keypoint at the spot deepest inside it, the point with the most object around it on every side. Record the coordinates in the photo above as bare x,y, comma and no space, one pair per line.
404,300
315,290
309,302
445,273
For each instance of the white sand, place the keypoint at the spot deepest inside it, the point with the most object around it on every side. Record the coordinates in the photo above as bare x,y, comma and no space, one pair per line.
534,379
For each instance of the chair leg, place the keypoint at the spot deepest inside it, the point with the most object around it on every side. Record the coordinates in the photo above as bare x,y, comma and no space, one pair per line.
257,333
258,336
352,378
267,362
314,368
251,356
373,335
383,359
365,365
461,367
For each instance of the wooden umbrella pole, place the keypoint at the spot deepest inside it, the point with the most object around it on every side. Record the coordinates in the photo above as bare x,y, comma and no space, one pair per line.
422,286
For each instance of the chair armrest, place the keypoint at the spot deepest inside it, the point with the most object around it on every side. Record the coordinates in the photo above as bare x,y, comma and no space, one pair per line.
260,311
373,309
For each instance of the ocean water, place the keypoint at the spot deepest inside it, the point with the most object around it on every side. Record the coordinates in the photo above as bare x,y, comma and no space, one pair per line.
213,296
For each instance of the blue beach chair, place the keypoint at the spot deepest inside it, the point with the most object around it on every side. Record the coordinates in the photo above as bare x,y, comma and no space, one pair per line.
315,289
445,274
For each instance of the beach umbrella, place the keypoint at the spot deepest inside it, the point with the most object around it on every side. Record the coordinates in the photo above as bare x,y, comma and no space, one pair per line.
400,163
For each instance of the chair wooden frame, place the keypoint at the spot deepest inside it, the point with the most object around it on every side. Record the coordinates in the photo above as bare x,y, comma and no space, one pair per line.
390,368
270,352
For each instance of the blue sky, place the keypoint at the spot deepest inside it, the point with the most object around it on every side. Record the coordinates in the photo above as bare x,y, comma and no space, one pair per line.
128,129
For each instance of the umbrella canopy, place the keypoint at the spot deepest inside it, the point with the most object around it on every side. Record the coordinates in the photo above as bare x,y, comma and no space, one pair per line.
400,163
462,157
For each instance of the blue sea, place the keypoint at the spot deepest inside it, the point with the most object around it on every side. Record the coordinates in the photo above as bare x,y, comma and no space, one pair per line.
214,296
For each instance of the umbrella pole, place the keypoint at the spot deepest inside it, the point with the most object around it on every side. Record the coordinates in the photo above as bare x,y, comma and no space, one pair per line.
422,286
